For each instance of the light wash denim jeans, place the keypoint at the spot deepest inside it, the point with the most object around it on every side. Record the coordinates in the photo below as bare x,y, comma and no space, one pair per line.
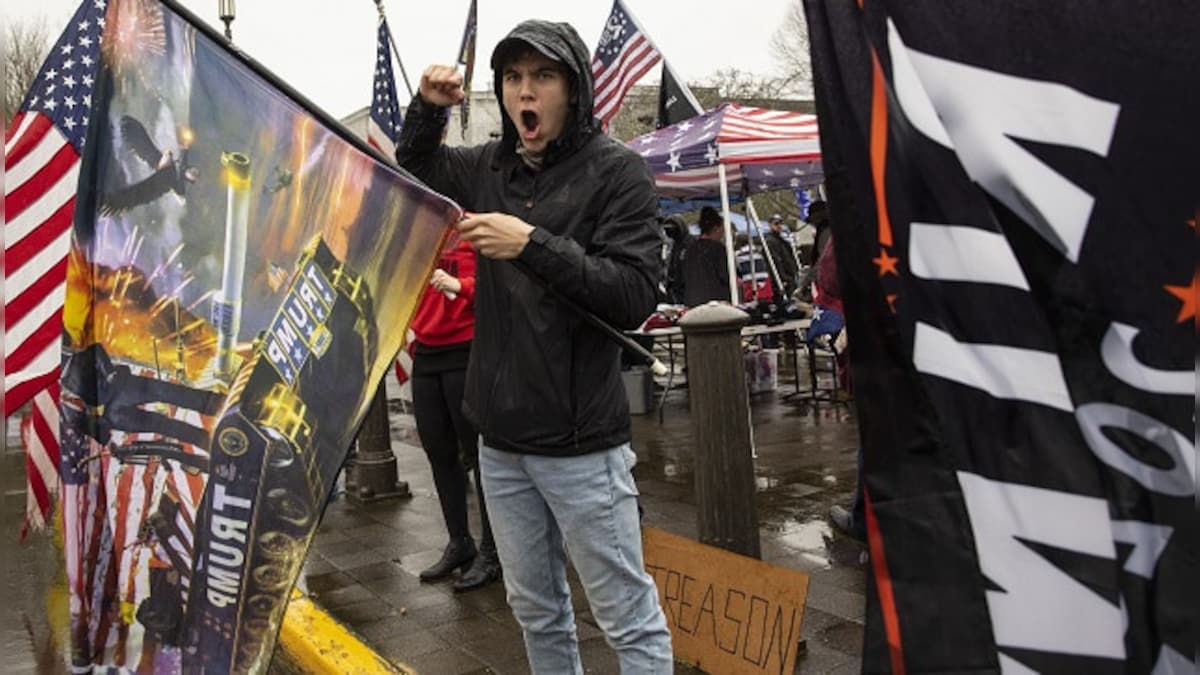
588,502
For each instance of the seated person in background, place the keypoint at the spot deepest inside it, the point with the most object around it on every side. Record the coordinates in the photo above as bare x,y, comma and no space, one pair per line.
705,268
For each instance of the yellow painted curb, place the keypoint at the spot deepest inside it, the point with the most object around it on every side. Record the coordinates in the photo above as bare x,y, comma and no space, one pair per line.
311,641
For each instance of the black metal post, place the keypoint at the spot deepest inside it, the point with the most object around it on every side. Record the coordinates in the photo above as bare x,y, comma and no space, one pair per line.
372,476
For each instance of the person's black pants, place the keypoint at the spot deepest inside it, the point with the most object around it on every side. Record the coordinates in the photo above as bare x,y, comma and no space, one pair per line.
451,445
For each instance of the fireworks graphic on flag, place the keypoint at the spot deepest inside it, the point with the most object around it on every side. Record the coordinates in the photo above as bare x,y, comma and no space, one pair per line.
137,32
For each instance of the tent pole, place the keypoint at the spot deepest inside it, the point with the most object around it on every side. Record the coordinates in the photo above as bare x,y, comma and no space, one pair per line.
795,253
729,255
749,249
792,245
753,215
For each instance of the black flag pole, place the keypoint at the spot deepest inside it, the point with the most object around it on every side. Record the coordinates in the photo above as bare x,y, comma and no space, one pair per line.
228,12
628,343
395,51
466,58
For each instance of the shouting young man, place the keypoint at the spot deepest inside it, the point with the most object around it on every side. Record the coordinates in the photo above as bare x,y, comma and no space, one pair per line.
557,204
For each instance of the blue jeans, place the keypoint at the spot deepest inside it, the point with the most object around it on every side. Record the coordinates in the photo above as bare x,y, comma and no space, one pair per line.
589,503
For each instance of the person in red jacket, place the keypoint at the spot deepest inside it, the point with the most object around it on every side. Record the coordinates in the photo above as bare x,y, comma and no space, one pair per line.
444,326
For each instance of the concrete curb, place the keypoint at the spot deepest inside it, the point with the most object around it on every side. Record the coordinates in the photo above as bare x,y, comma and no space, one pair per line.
313,642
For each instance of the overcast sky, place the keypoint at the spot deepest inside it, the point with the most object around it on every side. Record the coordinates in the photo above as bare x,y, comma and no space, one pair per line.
326,50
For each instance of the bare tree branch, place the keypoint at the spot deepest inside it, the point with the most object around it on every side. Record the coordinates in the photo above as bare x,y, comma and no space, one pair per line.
789,46
732,84
26,44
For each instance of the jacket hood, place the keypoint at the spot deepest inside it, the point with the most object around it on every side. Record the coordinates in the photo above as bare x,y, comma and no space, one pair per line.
559,42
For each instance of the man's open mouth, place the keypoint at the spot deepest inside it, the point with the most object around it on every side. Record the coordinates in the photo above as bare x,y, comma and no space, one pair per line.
529,124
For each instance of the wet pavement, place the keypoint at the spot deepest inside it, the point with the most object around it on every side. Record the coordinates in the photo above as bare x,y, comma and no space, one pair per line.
364,562
33,592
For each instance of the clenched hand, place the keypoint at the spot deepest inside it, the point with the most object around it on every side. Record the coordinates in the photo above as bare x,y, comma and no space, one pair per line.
496,235
442,86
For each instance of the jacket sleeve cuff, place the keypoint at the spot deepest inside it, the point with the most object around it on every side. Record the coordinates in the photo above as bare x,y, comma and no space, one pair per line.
418,106
536,251
422,128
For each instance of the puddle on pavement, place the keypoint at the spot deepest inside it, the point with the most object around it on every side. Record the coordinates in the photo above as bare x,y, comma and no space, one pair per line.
764,483
811,538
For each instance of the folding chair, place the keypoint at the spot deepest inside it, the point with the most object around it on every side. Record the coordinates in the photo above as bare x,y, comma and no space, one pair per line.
822,356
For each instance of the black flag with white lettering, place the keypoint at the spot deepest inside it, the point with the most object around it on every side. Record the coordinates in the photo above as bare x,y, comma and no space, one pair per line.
676,102
1014,189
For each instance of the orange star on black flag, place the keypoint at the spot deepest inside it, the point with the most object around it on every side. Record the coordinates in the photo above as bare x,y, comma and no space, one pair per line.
1186,295
886,263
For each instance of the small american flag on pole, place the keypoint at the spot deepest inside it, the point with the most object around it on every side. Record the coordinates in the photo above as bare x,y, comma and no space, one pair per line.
623,56
42,147
383,132
383,125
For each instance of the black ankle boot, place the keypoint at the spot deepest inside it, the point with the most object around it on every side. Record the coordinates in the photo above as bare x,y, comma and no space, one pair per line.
458,554
484,571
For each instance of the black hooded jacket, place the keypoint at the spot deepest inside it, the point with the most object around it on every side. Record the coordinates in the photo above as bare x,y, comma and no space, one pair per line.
541,380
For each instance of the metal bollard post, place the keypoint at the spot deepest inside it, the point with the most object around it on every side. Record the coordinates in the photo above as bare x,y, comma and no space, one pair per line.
720,411
373,476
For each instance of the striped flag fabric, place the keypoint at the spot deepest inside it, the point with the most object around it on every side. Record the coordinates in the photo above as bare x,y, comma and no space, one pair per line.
39,436
762,150
404,365
624,55
41,164
383,124
87,543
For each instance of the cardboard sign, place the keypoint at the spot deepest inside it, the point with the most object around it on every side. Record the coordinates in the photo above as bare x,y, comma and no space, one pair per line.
727,613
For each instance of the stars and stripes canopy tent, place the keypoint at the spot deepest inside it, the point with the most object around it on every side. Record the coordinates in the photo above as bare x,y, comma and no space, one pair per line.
761,150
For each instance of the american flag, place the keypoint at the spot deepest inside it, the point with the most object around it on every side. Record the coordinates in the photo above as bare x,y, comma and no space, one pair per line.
762,150
466,58
623,56
383,131
383,126
41,162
